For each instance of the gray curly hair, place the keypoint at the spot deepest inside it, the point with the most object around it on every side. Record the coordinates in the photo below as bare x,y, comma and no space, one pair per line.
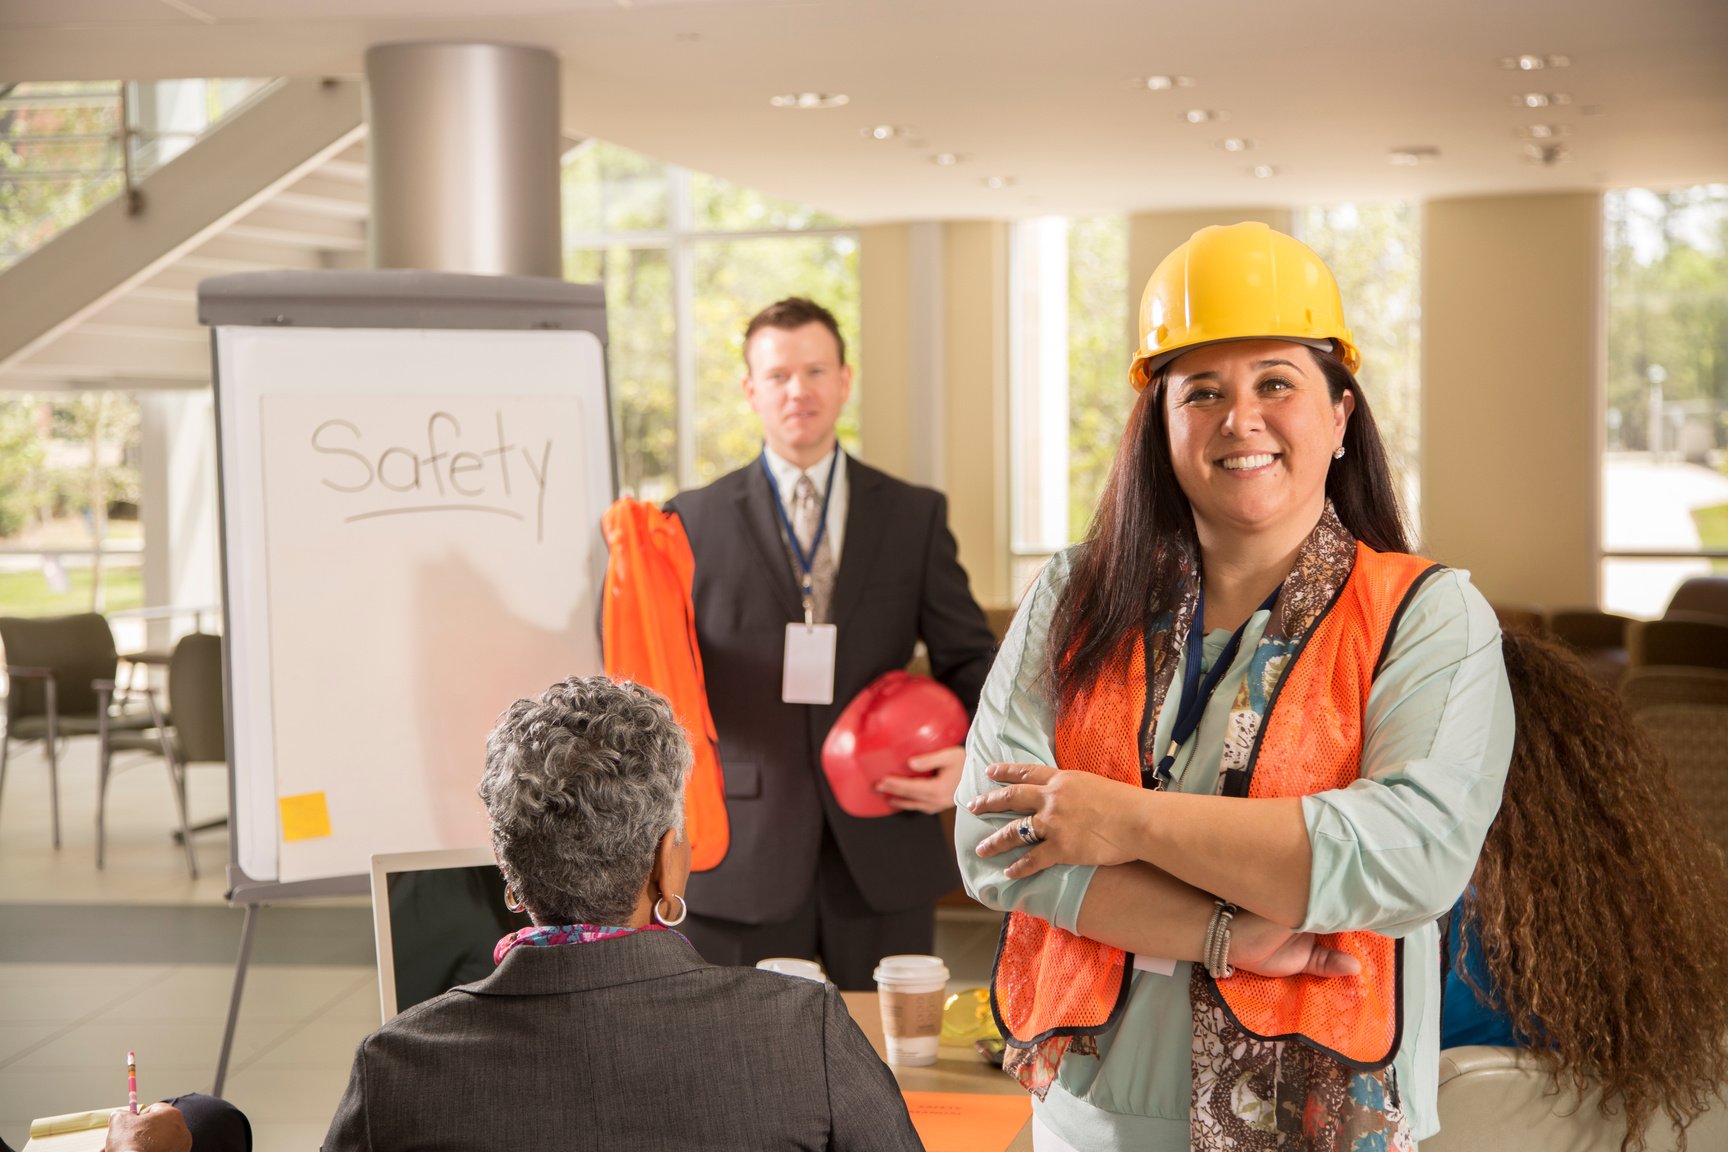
581,785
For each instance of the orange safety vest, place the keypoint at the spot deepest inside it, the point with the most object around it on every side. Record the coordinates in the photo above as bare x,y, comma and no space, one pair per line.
648,634
1052,983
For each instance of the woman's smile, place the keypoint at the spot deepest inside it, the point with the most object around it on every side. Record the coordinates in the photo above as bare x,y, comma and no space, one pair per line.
1249,463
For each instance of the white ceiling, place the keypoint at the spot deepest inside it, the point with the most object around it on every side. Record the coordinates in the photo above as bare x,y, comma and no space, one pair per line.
1035,90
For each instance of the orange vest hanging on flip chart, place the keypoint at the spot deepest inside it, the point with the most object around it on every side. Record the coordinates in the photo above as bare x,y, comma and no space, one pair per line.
1051,983
648,634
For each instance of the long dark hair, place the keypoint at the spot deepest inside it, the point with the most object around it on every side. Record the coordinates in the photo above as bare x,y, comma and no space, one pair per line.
1599,905
1142,541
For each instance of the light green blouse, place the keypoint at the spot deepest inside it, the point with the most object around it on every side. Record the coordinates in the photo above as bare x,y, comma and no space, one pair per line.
1391,852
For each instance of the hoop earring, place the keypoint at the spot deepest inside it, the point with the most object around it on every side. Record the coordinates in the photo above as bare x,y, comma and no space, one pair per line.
683,910
512,901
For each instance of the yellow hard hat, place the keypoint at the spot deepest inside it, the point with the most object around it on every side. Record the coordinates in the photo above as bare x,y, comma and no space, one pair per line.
1239,282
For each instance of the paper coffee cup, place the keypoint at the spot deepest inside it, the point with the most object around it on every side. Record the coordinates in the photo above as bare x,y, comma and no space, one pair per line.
911,990
792,966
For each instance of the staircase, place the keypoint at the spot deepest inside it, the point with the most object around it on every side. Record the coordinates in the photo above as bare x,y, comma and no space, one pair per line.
111,302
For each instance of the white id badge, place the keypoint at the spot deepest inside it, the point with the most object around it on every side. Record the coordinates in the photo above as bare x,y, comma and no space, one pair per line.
808,677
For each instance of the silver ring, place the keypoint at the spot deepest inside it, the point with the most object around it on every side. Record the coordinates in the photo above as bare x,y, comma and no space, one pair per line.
1026,832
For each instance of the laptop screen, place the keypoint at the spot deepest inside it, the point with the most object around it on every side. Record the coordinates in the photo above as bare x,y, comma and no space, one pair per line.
437,917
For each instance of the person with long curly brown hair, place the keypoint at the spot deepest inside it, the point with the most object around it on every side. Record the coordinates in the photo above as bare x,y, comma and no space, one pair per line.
1595,932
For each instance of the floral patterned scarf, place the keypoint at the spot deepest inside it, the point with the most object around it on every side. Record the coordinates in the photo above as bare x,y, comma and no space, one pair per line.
549,935
1253,1095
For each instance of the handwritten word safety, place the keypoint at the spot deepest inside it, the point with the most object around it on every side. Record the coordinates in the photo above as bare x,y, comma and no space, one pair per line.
454,473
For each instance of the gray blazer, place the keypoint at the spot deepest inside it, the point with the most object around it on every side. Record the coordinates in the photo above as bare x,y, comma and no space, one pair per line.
622,1045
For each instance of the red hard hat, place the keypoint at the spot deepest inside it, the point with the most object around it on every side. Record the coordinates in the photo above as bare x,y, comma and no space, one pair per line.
896,717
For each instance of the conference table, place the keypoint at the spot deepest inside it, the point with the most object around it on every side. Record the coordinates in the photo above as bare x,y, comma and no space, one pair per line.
957,1069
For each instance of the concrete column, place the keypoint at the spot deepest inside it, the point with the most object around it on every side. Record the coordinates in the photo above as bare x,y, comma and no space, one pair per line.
1511,394
884,322
976,350
464,152
934,303
902,408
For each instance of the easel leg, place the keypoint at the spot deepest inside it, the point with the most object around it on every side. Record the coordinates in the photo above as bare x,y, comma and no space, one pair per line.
234,1002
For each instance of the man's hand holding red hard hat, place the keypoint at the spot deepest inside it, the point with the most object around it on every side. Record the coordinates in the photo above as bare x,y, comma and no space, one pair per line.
933,791
897,747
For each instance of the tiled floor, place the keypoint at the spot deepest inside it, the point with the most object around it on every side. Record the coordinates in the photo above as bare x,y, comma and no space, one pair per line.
138,956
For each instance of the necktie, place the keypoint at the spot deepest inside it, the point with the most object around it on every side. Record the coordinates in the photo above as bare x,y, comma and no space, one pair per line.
806,519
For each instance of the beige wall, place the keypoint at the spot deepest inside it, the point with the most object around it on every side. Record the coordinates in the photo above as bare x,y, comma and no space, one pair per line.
1511,290
884,321
976,441
933,403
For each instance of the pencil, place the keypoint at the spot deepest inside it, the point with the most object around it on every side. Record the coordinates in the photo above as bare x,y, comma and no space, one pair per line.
132,1081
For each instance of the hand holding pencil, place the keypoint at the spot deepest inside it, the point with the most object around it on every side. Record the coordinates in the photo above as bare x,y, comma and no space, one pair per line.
159,1128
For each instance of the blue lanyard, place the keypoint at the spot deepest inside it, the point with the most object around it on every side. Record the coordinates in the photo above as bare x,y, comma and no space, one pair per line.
806,562
1197,693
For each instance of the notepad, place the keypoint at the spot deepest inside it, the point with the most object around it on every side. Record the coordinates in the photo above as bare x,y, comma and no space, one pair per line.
967,1121
73,1132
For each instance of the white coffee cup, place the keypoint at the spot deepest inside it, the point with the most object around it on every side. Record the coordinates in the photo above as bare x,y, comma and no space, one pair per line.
792,966
911,989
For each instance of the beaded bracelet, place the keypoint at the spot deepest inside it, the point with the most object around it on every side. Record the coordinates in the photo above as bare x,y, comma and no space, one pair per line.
1216,954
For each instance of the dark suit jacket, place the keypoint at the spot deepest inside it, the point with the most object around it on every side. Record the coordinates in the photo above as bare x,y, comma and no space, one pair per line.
622,1045
899,581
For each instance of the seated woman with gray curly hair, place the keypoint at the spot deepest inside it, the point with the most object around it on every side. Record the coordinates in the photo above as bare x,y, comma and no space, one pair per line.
601,1028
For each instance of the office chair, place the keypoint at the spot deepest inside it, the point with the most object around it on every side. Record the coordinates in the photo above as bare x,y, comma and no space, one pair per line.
53,664
191,730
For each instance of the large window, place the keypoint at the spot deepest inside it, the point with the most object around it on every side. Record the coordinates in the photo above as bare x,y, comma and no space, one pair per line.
1069,378
68,146
1375,251
70,539
1665,469
70,535
687,259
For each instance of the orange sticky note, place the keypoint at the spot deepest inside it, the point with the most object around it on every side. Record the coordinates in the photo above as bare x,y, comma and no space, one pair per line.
967,1121
304,817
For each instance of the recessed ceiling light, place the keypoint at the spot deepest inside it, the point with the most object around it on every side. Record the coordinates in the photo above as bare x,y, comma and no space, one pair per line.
1547,155
810,100
1541,99
946,159
1542,131
1235,144
1263,171
1410,157
1202,115
998,181
883,132
1533,63
1162,83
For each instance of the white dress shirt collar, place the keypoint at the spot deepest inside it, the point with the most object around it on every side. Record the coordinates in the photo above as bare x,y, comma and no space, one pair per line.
786,475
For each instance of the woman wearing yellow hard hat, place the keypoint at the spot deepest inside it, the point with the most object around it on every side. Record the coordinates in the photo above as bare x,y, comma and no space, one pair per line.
1238,752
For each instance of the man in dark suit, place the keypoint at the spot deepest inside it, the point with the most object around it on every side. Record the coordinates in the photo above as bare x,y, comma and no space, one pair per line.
804,534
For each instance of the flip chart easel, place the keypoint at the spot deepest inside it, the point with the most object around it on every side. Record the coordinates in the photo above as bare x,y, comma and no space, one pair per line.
413,467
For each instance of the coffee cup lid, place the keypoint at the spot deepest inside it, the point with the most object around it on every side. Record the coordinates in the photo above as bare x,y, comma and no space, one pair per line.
911,969
793,966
